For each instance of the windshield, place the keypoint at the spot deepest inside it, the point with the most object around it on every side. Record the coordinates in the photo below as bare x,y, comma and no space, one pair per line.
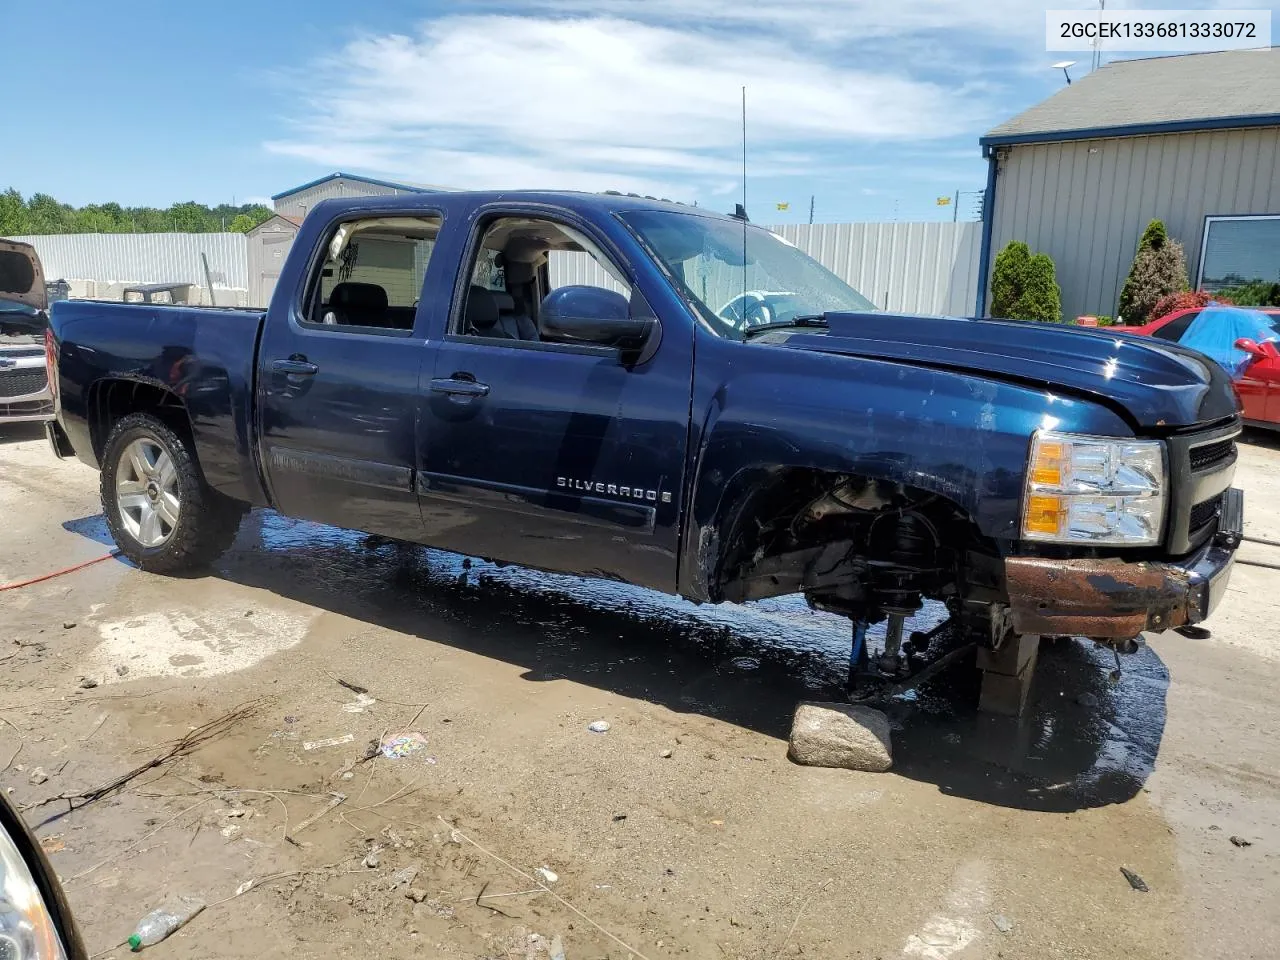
740,278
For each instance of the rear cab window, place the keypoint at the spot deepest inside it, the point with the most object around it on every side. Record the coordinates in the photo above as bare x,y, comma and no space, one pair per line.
371,274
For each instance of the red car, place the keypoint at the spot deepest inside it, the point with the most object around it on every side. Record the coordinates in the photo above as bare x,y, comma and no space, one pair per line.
1259,384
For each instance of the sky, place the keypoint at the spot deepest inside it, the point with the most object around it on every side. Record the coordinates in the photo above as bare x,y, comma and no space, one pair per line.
871,107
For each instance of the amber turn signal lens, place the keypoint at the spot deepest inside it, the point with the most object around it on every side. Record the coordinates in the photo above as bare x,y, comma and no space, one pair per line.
1044,514
1047,468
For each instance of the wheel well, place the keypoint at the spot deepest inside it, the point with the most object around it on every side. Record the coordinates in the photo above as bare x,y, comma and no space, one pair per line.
853,544
112,400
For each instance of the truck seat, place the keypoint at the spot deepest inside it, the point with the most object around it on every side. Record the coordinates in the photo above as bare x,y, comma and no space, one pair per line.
511,320
481,314
358,305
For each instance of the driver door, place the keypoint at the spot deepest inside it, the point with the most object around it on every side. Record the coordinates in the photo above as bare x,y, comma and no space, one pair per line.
551,454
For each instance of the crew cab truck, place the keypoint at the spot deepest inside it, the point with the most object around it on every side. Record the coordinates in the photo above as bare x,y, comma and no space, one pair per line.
543,379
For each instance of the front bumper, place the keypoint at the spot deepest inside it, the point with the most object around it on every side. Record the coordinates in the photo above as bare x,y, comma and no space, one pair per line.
1117,599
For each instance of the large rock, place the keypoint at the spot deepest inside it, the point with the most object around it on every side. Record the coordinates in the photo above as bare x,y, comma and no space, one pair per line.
841,735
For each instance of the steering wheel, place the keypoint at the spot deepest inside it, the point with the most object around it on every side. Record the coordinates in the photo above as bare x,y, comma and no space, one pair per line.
758,314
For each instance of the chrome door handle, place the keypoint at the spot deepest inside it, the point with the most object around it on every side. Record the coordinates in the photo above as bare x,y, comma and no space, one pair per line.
295,367
461,388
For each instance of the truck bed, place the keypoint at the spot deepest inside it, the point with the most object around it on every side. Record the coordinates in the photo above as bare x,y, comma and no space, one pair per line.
205,355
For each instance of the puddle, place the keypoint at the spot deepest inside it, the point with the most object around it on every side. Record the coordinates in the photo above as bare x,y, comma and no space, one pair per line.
1083,742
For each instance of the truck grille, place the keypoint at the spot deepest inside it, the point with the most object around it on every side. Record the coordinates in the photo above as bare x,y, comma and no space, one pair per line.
19,383
1203,514
1206,456
1201,468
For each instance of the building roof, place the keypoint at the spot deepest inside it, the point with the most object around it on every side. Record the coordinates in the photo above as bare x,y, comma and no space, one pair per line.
411,187
1199,91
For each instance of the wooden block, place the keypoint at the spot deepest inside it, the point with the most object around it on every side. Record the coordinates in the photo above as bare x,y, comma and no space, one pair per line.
1012,657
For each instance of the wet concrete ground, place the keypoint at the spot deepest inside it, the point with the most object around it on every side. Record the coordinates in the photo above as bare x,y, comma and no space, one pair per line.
989,838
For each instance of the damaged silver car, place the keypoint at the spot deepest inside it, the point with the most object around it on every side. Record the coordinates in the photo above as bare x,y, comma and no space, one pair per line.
24,383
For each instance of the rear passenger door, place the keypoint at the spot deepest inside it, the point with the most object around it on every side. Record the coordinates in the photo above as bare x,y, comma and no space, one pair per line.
338,378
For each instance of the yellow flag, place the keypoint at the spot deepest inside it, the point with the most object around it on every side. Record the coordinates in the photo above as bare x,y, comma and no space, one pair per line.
784,206
944,201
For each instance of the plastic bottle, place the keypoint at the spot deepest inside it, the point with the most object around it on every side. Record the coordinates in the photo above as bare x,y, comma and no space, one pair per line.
162,921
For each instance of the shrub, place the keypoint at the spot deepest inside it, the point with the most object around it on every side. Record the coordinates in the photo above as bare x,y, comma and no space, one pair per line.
1023,286
1041,297
1007,277
1159,268
1187,300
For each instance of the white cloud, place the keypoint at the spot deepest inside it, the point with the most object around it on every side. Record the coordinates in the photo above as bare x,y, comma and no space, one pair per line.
596,102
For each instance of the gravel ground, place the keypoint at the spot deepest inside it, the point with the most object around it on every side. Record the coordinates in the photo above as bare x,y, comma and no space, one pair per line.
681,831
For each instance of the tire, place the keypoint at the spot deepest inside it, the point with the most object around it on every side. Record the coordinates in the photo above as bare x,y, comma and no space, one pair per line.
161,513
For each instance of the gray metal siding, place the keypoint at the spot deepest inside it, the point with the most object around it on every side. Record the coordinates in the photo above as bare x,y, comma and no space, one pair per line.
1086,203
143,257
929,268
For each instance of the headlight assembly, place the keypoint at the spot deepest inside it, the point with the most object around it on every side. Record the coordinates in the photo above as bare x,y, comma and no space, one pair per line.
1094,490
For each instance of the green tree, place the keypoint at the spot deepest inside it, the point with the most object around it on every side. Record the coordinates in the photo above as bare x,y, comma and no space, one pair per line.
242,223
1007,277
190,217
1023,286
1041,297
43,214
14,220
49,216
1159,268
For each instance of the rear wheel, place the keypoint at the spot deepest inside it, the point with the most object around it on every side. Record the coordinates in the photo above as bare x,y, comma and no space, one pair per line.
159,510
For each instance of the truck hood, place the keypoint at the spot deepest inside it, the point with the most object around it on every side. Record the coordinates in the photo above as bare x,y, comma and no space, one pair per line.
21,276
1156,383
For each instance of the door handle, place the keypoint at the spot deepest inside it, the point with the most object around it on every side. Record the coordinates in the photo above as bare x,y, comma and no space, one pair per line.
459,387
295,367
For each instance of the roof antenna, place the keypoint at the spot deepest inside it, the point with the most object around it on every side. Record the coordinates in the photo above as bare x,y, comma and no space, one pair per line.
743,208
1063,65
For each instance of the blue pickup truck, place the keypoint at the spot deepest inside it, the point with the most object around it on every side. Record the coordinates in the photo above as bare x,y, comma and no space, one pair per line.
620,387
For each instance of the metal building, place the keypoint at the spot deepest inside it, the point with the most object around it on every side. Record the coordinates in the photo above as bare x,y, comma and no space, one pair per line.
1192,140
269,241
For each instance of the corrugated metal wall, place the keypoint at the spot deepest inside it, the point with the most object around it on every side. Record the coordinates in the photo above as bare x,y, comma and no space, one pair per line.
144,257
1086,203
927,268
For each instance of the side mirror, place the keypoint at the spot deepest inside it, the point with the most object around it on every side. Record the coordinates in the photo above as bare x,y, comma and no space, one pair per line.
1251,348
34,918
582,314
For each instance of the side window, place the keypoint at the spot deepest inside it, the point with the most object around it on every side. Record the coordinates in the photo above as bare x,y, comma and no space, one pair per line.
1174,329
519,263
372,273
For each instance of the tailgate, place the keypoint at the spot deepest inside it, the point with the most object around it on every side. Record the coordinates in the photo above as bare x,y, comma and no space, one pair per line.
21,277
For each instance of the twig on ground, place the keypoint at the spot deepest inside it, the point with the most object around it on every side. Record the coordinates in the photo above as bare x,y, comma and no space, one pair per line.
544,888
486,906
115,856
96,727
402,792
799,913
499,896
13,758
334,800
353,687
80,699
9,722
186,745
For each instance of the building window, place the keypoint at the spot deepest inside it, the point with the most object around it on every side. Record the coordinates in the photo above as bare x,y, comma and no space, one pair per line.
1239,251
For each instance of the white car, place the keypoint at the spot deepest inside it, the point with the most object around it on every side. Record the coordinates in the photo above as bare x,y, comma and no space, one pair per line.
24,383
